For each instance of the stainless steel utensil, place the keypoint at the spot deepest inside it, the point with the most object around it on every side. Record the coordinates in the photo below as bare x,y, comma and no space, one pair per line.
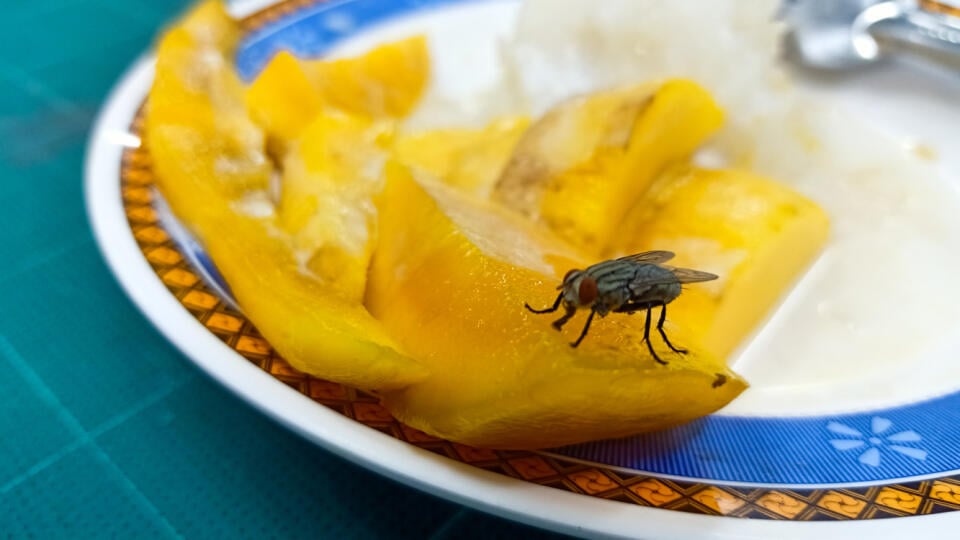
844,34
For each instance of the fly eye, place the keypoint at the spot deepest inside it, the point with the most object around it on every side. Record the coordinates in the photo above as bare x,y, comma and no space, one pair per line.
588,291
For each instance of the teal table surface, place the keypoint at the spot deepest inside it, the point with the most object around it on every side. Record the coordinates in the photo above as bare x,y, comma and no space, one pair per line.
106,430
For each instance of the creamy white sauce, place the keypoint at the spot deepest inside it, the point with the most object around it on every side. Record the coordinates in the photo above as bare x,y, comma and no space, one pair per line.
871,322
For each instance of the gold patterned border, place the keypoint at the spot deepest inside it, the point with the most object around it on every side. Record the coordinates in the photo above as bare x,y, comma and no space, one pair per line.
183,281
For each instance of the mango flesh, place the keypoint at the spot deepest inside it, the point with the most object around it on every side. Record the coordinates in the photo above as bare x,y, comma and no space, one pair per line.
469,159
211,168
387,81
196,125
757,234
282,99
330,176
582,166
331,150
450,278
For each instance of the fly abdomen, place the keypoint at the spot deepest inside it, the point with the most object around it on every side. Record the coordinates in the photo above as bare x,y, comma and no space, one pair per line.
654,284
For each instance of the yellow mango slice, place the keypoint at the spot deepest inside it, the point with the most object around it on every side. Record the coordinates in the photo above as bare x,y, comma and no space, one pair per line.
469,159
386,81
582,166
199,109
326,203
282,99
449,280
758,235
210,166
314,331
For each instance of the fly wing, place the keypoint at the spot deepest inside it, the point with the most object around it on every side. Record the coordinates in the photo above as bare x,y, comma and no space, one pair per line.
686,275
649,257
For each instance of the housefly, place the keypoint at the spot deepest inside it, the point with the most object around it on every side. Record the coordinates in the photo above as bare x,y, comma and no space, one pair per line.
629,284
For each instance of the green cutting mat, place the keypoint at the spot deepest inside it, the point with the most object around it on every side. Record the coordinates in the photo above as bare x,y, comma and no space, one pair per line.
106,430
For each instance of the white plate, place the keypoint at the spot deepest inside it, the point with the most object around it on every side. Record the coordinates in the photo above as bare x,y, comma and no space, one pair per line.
863,461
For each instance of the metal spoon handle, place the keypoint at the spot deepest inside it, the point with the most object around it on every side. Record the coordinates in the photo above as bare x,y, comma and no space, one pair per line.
927,31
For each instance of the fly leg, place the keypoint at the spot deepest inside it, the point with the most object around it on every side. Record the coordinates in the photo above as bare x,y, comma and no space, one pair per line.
663,317
551,309
632,307
558,324
646,337
583,333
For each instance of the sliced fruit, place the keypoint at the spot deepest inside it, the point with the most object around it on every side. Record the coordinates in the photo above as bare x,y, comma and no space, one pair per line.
582,166
196,112
386,81
756,234
450,278
329,180
469,159
210,167
313,330
282,99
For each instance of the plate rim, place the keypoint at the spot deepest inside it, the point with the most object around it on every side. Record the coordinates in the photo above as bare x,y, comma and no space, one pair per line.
506,497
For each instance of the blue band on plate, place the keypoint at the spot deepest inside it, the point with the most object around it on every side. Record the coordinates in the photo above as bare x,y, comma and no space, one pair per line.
868,446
